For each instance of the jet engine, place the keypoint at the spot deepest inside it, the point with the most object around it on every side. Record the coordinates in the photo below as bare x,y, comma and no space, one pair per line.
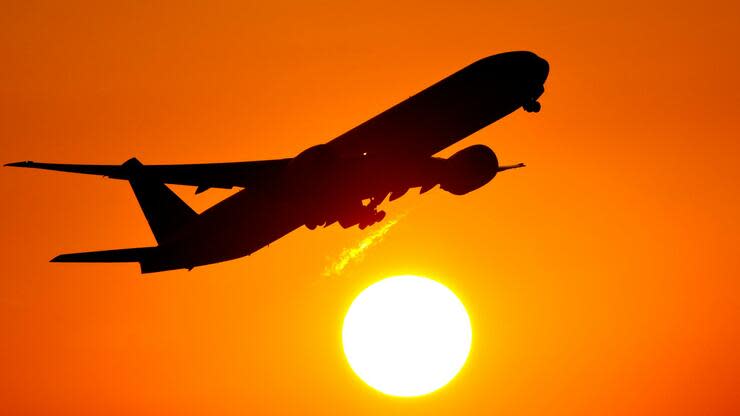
312,160
469,169
311,170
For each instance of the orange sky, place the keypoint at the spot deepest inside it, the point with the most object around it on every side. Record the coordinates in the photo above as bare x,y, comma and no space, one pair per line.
602,279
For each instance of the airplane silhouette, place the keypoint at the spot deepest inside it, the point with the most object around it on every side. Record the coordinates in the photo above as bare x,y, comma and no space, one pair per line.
327,183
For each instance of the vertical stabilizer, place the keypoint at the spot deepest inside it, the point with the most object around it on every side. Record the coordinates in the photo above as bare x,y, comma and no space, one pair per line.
164,211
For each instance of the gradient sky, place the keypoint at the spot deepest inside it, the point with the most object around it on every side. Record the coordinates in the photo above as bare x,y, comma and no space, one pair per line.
602,279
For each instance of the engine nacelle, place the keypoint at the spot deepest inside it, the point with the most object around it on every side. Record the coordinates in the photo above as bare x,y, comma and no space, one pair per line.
312,167
469,169
312,159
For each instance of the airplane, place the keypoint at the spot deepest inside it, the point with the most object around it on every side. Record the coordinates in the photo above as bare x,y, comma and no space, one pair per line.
343,180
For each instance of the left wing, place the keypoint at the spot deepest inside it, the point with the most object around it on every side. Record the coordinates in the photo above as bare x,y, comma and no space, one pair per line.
204,176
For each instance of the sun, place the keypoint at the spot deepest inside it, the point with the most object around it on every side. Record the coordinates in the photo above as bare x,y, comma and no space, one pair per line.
406,335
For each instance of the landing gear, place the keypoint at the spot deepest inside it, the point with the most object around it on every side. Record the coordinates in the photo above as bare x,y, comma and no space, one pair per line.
363,218
532,106
314,221
350,215
374,217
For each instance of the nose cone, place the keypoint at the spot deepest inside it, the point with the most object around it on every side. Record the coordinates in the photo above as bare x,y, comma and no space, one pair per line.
543,69
527,64
523,67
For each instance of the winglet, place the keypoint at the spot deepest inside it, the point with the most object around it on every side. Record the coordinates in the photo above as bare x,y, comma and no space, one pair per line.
507,167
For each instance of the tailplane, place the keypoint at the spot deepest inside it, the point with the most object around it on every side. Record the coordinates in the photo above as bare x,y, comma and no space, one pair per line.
149,258
124,255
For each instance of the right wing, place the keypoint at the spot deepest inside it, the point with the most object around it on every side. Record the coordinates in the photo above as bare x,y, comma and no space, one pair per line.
204,176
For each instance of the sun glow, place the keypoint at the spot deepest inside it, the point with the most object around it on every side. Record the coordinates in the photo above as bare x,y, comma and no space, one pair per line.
406,335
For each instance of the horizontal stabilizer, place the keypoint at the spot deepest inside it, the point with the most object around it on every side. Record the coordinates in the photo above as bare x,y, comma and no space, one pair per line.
124,255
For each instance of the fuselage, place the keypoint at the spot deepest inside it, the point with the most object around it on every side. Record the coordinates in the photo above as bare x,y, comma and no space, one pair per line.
345,174
451,109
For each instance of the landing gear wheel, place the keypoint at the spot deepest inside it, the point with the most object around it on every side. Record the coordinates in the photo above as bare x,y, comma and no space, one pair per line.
532,107
379,216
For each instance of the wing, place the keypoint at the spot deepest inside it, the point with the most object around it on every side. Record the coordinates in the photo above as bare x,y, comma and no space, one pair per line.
420,126
204,176
451,109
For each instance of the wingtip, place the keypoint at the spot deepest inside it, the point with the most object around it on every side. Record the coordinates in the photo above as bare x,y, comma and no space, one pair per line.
19,164
63,258
57,259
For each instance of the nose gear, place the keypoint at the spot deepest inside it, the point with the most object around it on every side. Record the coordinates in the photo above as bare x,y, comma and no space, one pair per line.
374,217
532,106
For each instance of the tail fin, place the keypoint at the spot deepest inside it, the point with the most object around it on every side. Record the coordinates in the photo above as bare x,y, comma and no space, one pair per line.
124,255
164,211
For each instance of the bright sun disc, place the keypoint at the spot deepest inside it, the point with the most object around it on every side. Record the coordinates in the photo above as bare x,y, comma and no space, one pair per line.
406,335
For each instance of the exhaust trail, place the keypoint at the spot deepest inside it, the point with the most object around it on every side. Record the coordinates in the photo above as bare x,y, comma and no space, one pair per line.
355,253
